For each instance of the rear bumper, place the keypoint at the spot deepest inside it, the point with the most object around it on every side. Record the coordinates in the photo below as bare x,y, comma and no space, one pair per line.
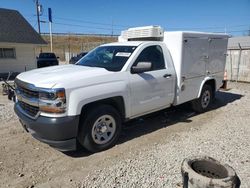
58,132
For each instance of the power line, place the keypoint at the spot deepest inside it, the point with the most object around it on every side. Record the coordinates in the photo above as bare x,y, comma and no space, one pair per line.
34,25
127,26
119,26
108,29
91,22
209,28
215,29
238,31
84,26
80,34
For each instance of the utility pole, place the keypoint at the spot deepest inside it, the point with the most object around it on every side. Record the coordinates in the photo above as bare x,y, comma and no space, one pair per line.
38,16
69,56
38,12
112,27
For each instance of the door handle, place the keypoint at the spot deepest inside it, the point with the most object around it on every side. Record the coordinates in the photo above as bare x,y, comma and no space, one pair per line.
167,75
206,57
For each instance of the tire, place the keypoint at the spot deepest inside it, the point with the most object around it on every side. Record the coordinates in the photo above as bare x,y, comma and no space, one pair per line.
100,129
203,102
206,172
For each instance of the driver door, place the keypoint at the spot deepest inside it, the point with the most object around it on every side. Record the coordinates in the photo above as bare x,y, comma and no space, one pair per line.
151,90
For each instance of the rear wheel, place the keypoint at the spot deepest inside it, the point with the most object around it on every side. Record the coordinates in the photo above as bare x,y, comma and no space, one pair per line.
203,102
100,129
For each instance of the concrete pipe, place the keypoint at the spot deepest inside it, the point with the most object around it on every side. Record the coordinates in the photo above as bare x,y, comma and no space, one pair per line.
206,172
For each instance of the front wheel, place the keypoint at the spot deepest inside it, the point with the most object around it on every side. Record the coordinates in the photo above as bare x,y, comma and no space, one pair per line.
203,102
100,129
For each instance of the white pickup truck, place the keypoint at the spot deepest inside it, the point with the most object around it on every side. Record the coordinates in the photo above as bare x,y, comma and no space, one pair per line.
147,71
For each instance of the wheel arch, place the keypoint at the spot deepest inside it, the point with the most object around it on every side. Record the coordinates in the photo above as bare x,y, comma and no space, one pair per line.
116,102
208,81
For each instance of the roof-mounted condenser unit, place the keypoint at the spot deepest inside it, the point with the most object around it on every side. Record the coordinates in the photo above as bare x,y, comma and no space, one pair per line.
147,33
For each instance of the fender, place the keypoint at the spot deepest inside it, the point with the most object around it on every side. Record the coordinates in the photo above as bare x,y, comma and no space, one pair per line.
208,78
82,96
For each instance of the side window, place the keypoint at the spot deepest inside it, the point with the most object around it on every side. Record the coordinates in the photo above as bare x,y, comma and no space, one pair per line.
154,55
7,53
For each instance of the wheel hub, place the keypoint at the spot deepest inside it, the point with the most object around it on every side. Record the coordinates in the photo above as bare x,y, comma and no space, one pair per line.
103,129
205,99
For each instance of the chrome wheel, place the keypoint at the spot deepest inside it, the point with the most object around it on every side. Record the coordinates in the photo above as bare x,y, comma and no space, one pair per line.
205,100
103,129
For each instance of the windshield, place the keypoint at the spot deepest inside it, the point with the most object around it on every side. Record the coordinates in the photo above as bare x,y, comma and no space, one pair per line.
112,58
47,55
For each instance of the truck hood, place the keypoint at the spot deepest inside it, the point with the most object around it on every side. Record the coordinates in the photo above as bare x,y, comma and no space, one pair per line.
60,75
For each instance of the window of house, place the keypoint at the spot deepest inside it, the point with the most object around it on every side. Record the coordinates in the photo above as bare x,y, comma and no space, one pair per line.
7,53
154,55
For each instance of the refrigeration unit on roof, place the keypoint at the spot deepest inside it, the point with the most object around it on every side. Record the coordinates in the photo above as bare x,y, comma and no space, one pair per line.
143,33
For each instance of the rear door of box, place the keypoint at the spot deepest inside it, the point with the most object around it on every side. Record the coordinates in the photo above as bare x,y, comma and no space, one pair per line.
217,56
193,68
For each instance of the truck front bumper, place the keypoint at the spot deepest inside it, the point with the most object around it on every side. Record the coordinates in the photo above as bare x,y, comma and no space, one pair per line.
58,132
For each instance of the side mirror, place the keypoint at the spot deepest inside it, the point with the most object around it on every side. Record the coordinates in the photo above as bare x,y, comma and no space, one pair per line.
141,67
57,57
36,57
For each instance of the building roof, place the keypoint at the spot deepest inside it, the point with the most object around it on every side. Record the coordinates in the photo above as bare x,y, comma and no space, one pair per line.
242,42
14,28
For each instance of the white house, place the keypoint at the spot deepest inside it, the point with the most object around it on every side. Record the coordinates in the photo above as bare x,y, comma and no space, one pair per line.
18,41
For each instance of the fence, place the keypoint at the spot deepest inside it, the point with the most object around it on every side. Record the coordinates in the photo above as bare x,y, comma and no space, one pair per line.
238,65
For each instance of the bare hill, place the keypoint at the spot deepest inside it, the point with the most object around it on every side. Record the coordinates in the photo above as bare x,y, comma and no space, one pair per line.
66,46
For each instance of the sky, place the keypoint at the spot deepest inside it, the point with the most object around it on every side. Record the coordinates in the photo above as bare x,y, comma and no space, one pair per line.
113,16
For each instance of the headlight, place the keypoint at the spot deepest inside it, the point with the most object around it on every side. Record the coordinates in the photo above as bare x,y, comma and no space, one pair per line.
52,101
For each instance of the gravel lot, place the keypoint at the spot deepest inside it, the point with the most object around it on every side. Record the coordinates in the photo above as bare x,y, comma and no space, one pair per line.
149,153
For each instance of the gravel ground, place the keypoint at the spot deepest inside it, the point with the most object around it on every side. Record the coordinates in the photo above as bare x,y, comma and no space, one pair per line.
149,153
223,134
6,113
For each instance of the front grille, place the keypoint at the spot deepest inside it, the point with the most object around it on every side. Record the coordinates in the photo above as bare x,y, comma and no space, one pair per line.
30,110
27,92
28,97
